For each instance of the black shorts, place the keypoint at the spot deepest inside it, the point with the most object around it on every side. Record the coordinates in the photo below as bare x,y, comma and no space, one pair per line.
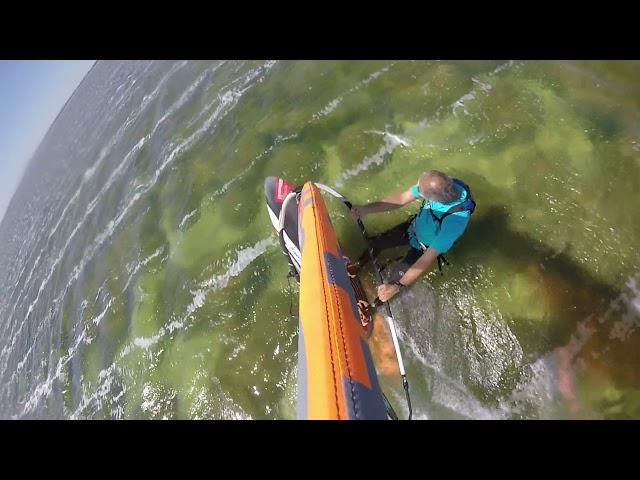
397,236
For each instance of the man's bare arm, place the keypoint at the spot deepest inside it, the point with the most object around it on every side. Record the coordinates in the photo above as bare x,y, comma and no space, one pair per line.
391,202
388,290
420,266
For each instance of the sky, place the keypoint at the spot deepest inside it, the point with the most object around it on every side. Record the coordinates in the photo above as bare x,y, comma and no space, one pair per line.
32,93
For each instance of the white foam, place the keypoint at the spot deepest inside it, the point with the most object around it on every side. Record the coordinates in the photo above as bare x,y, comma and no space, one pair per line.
70,353
333,104
44,389
99,318
147,99
475,139
375,75
485,86
633,299
396,139
330,107
629,304
226,186
245,79
139,265
187,217
227,101
188,93
461,102
449,392
146,342
391,142
243,259
502,67
103,154
68,242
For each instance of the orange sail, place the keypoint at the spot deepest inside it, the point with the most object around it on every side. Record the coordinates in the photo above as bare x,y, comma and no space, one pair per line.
336,374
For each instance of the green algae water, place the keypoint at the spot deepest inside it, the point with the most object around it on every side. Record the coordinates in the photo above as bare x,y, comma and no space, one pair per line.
140,276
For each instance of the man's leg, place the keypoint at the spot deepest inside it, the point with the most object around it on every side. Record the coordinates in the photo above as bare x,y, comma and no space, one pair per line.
412,256
394,237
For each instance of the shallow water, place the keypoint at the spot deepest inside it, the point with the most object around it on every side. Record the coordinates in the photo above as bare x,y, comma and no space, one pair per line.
141,277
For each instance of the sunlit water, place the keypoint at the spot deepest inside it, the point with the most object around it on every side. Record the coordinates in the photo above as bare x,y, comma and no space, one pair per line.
140,276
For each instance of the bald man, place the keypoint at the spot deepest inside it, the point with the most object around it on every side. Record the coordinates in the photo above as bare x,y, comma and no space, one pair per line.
442,219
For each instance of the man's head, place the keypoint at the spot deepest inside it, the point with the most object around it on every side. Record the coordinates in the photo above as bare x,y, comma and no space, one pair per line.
437,186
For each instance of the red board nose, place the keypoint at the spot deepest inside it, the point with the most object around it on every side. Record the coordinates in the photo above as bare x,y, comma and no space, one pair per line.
282,189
